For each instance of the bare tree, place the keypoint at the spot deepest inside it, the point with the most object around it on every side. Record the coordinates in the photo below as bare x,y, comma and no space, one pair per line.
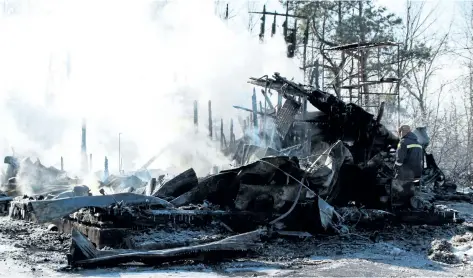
252,19
418,81
421,55
450,124
466,50
463,51
469,32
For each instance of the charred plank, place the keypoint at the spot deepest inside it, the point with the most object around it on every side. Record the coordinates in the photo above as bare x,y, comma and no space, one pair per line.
218,189
84,255
178,185
49,210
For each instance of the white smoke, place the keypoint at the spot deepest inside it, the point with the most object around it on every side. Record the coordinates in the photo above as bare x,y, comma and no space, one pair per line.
130,67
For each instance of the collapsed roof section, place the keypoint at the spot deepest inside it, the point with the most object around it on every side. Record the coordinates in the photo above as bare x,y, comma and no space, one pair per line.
336,119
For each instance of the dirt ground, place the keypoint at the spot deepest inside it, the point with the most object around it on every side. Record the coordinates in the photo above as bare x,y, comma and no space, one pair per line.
28,250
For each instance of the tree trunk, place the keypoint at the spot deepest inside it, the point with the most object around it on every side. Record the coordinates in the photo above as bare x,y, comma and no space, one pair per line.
363,55
470,116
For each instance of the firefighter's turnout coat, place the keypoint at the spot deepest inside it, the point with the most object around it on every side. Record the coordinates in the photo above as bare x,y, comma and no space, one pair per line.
409,158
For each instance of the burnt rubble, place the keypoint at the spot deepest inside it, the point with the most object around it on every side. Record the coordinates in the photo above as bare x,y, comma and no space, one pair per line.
315,172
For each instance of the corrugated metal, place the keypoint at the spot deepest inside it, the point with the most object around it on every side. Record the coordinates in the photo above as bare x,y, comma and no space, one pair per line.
286,116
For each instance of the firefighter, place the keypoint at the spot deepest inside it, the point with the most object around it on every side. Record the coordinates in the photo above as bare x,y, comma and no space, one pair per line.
408,167
408,155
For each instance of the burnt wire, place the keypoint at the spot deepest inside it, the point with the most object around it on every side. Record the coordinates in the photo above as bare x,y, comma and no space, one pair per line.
301,184
290,209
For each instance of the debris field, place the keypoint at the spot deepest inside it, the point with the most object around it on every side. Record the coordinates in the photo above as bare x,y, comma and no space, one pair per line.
326,173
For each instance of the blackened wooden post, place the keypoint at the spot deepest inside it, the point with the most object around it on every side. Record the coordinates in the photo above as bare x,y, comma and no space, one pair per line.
210,120
261,123
263,23
316,74
273,26
105,169
250,121
286,22
304,64
232,135
255,109
196,114
305,42
151,186
221,134
226,12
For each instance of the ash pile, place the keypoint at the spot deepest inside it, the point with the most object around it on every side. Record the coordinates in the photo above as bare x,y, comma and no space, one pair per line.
322,172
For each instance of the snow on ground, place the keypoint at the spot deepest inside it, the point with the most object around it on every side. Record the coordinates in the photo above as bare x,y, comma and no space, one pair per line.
27,250
465,209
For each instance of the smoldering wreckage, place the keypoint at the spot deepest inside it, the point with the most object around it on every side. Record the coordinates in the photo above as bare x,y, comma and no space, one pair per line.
330,169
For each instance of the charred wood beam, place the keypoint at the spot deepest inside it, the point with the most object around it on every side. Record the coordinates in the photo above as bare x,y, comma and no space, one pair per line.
255,109
279,14
223,142
362,45
213,188
84,254
265,197
49,210
436,217
232,134
178,185
151,186
250,110
267,99
210,120
196,113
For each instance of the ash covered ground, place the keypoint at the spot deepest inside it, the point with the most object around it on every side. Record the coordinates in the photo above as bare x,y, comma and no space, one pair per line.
30,250
401,250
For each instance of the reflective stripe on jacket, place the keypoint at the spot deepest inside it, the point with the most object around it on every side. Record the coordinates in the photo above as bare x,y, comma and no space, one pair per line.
410,146
409,155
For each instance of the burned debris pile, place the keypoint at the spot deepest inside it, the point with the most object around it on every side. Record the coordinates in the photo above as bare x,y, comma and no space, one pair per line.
28,172
316,172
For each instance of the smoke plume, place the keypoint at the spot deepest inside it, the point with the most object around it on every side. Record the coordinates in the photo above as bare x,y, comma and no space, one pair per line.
130,67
